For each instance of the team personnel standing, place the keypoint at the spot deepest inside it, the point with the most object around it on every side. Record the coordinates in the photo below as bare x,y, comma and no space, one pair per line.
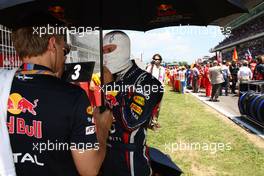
259,69
195,81
156,69
207,83
172,70
176,78
50,121
130,93
233,70
216,79
201,78
182,78
188,77
244,74
227,75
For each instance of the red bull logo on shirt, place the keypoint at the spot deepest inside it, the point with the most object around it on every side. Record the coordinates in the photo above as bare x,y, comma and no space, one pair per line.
18,125
17,104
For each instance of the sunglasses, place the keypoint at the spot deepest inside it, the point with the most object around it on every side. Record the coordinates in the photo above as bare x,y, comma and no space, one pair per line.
66,49
157,59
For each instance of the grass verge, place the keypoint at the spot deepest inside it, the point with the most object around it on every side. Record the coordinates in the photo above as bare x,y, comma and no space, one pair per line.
200,143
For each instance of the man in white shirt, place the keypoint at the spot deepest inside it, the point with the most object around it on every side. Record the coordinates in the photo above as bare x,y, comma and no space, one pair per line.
244,74
182,78
156,69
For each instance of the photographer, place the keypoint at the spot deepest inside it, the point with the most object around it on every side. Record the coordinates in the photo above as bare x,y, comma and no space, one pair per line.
156,69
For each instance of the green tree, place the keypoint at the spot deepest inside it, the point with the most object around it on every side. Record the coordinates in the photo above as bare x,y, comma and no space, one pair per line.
183,63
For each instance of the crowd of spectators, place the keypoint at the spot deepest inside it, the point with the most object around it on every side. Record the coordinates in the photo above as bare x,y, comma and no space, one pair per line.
256,48
214,77
248,29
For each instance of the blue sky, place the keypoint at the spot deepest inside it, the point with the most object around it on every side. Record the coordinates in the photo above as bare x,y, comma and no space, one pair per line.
183,43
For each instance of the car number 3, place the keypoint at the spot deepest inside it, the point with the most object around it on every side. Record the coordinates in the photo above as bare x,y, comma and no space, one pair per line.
76,74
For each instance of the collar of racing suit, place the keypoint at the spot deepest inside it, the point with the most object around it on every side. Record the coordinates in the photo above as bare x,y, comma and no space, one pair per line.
121,75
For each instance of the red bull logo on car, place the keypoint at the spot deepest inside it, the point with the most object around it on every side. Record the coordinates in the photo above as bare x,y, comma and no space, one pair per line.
17,104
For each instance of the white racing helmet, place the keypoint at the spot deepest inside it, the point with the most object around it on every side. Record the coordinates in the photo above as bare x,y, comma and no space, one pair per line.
116,51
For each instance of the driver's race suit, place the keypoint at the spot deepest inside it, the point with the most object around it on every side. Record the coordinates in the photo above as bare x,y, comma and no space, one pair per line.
134,100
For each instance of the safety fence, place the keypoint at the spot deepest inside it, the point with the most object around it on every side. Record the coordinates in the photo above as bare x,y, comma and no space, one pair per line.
8,57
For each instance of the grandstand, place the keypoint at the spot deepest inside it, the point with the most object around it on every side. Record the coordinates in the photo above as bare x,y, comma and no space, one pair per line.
247,34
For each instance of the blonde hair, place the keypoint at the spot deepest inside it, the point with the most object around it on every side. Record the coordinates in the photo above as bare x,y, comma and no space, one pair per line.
29,44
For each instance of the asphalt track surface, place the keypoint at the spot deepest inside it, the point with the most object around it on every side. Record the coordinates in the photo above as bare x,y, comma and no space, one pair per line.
228,106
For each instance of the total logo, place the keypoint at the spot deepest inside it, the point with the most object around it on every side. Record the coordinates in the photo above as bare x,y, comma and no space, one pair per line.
26,158
17,104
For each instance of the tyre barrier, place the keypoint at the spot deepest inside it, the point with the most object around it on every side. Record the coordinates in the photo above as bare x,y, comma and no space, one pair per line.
260,110
251,104
242,102
253,112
